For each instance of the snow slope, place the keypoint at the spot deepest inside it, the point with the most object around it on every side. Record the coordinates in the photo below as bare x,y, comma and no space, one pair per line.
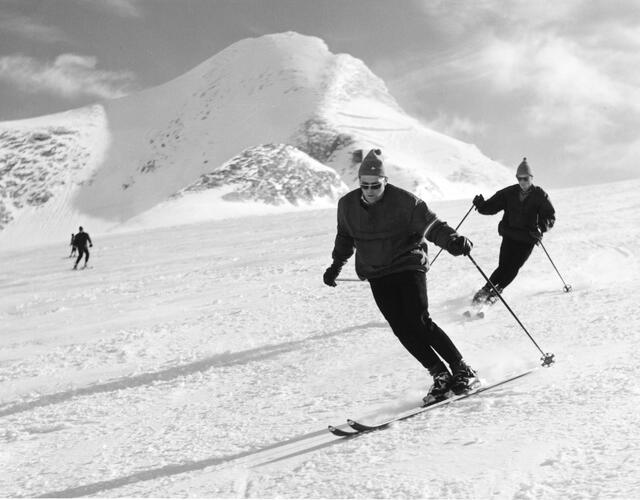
206,360
128,162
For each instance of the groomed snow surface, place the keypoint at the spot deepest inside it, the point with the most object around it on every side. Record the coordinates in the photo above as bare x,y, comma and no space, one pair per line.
206,360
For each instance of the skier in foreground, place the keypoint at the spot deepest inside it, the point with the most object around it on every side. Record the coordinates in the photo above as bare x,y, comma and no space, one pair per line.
528,214
389,227
80,241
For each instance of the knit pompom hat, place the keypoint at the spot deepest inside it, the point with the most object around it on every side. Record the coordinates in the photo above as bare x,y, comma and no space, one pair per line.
372,164
523,169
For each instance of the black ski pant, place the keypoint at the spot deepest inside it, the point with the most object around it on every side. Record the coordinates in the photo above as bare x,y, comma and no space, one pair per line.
513,255
81,252
402,300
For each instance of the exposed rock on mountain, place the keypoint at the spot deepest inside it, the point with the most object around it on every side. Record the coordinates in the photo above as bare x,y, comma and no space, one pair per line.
273,174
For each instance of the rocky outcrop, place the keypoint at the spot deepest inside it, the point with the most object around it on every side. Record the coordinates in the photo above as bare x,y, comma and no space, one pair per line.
273,174
33,164
319,140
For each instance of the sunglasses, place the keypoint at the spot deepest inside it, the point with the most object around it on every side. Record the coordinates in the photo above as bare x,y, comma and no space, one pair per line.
373,187
522,178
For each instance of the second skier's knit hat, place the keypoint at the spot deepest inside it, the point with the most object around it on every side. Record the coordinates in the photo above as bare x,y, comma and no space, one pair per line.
372,164
523,169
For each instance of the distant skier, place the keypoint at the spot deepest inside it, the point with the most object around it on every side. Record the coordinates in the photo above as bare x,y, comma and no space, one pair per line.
389,227
80,241
528,214
73,246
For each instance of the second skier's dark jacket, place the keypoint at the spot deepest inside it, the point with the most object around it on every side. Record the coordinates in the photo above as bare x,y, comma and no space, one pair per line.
522,218
388,236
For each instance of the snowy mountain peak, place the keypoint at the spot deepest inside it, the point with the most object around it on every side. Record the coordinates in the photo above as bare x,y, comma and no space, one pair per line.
282,98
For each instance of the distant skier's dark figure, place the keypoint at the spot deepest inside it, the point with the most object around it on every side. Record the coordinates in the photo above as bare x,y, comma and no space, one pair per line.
73,246
388,228
80,241
528,214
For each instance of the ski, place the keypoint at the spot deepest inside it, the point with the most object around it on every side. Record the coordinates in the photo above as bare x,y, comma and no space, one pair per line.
342,433
358,427
361,428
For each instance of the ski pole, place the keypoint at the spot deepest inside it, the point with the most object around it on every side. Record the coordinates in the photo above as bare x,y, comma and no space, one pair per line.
348,279
460,224
547,358
567,288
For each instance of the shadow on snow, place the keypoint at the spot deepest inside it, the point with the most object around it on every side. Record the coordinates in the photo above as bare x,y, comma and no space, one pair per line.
143,379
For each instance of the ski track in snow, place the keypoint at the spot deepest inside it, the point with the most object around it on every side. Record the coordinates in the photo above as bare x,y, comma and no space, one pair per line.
207,361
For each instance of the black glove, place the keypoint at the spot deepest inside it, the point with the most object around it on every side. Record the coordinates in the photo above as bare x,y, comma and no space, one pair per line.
544,225
331,274
536,235
459,245
478,201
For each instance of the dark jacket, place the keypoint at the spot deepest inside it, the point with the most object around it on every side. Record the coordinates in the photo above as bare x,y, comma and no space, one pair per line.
80,240
522,220
389,236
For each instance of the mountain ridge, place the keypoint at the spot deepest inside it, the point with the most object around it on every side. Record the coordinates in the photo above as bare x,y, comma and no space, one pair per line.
124,157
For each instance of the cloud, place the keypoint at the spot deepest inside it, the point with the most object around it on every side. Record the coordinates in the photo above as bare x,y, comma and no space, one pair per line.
559,77
456,126
69,76
122,8
564,86
31,29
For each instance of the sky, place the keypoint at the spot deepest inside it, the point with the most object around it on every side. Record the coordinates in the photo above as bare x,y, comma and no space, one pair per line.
557,82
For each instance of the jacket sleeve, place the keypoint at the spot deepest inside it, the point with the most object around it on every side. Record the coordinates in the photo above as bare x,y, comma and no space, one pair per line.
344,245
494,204
546,214
435,230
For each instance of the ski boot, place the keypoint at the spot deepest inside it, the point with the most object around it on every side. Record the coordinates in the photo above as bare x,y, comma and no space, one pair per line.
464,378
438,391
492,298
481,295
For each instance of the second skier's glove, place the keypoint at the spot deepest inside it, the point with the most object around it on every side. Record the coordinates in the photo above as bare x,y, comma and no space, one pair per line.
478,201
459,245
331,274
545,224
536,235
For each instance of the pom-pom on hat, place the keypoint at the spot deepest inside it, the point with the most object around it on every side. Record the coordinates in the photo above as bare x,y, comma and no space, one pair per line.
523,169
372,164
